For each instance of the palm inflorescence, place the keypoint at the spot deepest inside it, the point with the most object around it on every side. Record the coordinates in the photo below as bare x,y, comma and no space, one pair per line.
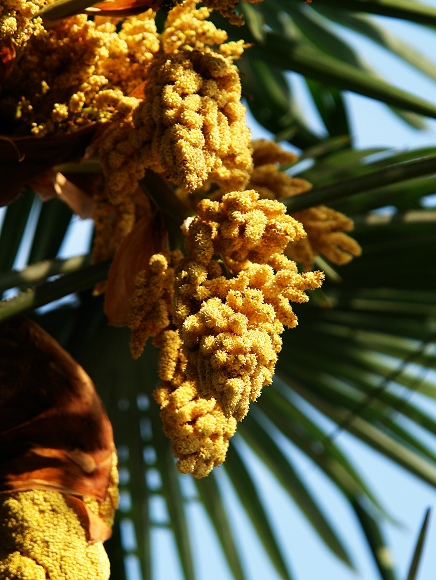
274,293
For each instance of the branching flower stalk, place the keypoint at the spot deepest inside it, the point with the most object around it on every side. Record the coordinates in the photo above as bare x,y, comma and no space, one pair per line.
205,242
325,227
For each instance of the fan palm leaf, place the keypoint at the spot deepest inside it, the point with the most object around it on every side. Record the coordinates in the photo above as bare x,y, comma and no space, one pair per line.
293,36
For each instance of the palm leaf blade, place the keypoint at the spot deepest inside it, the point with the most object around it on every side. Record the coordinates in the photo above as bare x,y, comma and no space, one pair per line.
367,27
249,498
417,553
268,450
308,61
376,541
213,501
13,229
415,11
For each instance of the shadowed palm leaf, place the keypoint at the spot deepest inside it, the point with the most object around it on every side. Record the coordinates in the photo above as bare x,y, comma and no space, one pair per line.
289,35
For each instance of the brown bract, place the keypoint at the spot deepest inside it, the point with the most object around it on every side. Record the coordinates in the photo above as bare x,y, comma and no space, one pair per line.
148,237
23,159
122,8
55,184
54,432
7,55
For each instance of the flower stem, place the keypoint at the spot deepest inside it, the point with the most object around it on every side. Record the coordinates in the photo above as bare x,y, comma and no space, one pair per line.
173,210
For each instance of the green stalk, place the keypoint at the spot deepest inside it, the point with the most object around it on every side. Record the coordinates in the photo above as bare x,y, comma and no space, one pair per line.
49,291
82,167
38,273
375,180
422,216
173,210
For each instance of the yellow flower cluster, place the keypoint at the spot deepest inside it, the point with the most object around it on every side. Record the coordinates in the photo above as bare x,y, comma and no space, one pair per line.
198,428
324,226
187,27
113,221
267,179
326,236
119,159
217,314
231,327
246,228
232,342
18,22
151,300
99,68
191,124
225,338
43,535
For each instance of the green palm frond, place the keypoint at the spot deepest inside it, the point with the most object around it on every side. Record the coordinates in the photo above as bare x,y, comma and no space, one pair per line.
417,553
294,36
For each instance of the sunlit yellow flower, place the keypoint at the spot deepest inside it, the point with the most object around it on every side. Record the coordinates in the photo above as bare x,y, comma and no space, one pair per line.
230,327
114,221
197,427
18,20
324,226
186,26
151,301
191,125
80,71
43,534
326,236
